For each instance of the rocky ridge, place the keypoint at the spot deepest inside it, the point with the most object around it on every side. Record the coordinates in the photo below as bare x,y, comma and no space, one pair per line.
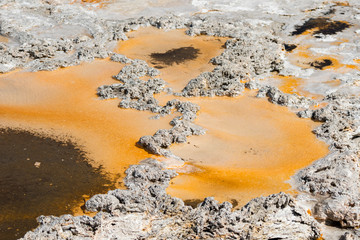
333,182
139,94
145,211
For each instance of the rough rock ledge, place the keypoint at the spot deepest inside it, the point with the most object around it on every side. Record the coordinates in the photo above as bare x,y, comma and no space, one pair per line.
146,211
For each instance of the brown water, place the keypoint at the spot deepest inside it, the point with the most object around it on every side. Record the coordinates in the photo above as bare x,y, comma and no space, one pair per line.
42,176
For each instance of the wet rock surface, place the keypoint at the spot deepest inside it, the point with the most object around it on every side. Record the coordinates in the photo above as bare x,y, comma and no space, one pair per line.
276,96
145,211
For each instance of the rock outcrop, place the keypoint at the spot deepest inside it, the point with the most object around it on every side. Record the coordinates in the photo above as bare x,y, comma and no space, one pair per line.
146,211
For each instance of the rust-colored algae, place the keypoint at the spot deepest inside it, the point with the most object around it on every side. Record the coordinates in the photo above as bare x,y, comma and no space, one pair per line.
146,42
342,3
303,57
290,84
96,3
251,148
65,102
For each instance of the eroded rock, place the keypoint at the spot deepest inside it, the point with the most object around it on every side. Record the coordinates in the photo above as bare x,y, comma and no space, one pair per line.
335,179
145,211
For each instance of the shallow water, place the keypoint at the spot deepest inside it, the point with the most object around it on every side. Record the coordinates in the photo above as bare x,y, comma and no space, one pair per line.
251,148
42,176
63,105
146,42
64,102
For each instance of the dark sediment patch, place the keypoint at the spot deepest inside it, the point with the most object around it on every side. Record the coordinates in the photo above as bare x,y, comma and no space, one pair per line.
178,55
41,176
289,47
321,64
321,25
234,202
192,202
330,12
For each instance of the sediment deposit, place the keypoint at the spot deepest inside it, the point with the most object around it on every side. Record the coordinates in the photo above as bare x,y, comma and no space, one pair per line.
256,50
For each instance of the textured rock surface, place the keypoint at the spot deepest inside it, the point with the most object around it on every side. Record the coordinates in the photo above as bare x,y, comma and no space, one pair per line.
251,54
335,179
145,211
290,100
80,34
139,94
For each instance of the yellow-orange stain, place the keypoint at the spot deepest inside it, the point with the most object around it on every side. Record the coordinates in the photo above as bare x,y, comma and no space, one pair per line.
342,3
145,41
357,61
97,3
319,105
251,148
339,42
3,39
293,85
309,212
333,83
302,56
64,103
290,84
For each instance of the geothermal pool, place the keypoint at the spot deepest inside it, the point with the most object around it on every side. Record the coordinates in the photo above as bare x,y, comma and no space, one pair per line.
62,144
251,148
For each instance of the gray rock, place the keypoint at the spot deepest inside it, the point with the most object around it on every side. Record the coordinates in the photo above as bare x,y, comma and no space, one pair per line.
253,84
120,58
284,99
215,83
164,138
349,236
305,113
244,58
277,217
145,211
102,202
334,180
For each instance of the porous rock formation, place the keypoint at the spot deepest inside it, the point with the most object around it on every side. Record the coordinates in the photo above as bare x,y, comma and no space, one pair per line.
250,54
334,181
145,211
139,94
